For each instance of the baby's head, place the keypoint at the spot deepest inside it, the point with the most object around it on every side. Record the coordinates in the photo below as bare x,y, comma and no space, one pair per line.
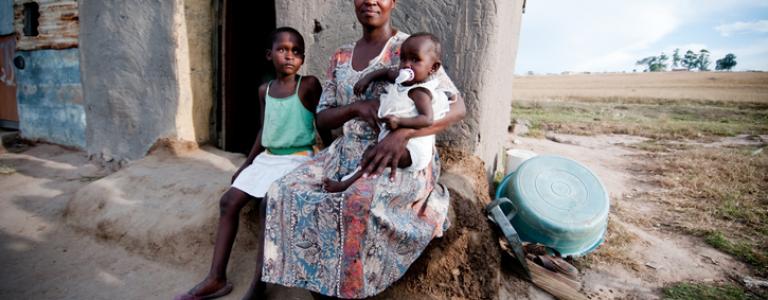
422,53
286,51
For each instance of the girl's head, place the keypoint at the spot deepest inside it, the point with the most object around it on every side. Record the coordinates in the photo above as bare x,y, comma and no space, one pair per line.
287,50
374,13
422,53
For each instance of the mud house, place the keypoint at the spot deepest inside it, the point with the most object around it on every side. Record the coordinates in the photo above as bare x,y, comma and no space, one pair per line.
112,77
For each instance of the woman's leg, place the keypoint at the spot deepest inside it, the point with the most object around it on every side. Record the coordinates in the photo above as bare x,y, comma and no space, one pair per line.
229,218
256,290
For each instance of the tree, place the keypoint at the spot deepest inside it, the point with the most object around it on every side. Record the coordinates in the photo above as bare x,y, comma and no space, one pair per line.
703,60
726,63
690,60
676,58
661,63
654,63
648,61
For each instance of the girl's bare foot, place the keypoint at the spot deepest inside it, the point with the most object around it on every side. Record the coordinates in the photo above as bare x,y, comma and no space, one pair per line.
209,288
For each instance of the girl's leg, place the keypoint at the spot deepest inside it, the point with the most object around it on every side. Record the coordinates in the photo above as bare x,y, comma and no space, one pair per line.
229,218
256,290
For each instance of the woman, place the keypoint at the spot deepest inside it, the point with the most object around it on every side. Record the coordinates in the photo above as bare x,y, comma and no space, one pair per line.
356,243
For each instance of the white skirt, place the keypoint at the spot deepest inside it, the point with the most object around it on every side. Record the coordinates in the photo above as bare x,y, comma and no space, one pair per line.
265,169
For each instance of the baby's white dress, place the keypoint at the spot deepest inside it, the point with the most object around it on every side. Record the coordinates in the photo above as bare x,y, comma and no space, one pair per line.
395,101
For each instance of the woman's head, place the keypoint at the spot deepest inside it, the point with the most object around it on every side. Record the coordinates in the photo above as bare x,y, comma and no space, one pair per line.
422,53
286,51
374,13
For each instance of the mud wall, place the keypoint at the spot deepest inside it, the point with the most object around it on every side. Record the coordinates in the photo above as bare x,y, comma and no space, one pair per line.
146,68
480,45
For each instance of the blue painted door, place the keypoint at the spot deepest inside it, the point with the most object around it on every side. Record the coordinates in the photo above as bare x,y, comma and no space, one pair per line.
50,97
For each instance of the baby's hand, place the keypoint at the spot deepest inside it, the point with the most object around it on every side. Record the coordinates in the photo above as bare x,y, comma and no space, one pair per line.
362,85
392,122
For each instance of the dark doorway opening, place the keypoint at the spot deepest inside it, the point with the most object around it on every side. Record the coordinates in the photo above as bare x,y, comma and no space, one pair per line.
243,37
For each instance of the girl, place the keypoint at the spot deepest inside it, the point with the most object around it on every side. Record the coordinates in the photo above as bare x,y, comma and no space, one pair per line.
286,140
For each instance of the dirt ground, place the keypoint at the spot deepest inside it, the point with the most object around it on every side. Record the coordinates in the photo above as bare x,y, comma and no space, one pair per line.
44,258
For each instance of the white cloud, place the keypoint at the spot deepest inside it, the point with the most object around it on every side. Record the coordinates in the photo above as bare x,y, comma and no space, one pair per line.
597,34
743,27
752,57
610,35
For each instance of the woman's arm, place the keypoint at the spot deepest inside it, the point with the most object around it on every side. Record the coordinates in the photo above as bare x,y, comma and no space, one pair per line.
388,151
332,118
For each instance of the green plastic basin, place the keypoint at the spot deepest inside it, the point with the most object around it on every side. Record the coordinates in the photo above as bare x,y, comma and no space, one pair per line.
560,204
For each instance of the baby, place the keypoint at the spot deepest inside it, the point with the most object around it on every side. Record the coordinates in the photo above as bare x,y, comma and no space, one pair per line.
412,101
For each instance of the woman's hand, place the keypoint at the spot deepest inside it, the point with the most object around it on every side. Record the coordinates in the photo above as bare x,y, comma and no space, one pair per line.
386,153
368,111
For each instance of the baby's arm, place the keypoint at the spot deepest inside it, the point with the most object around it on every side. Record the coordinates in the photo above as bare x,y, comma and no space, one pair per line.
388,74
422,98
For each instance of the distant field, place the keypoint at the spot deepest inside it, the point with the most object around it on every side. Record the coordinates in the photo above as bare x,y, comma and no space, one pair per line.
694,86
668,105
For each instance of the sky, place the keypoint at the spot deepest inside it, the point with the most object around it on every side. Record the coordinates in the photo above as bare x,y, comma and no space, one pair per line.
611,35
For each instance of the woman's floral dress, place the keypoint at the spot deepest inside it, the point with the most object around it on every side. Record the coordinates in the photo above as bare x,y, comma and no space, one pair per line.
356,243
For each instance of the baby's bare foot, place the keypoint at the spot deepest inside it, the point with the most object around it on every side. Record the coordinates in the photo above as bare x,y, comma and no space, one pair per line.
333,186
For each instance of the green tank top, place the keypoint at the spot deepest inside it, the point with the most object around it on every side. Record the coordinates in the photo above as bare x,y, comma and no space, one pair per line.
288,125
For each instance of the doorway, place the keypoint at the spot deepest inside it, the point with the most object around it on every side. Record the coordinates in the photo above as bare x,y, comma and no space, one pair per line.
243,34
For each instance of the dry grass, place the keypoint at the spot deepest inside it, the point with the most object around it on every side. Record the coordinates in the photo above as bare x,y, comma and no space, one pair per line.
615,249
658,121
646,88
720,194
